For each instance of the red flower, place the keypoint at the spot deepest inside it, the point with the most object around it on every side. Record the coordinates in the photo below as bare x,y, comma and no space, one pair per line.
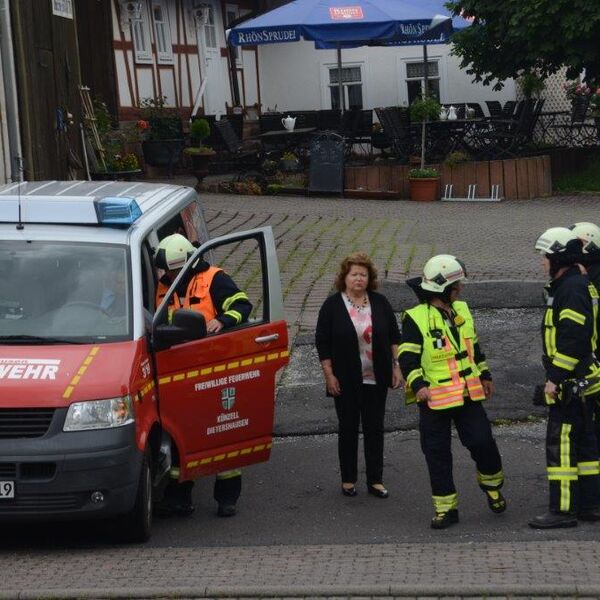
141,124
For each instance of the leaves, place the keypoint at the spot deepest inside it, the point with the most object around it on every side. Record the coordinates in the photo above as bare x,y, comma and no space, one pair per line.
511,37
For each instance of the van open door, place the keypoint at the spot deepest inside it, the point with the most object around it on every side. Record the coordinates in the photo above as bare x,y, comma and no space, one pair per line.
217,394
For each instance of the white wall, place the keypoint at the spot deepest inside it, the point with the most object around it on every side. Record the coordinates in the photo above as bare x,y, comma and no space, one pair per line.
294,76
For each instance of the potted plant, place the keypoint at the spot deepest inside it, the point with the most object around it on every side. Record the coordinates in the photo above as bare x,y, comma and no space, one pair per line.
289,162
199,154
424,184
112,158
423,109
162,133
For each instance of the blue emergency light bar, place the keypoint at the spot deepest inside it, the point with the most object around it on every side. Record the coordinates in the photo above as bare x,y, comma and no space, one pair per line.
117,212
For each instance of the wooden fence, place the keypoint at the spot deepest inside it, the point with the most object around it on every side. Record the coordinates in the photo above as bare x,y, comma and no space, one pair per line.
519,179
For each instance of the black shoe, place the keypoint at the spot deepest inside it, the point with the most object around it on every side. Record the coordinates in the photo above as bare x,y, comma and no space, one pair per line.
349,491
444,519
496,501
378,493
589,514
226,510
552,520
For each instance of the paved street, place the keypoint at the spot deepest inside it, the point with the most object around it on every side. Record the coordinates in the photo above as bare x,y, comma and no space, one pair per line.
295,535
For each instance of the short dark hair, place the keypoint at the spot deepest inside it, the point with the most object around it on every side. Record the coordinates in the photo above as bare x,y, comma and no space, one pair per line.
362,260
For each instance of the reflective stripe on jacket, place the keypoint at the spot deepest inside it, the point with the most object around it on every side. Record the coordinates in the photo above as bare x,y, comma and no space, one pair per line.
447,366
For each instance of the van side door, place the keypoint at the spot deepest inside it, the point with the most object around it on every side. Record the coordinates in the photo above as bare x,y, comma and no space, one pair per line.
217,394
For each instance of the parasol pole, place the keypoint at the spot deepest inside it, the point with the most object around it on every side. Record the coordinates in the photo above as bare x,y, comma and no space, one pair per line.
340,84
425,95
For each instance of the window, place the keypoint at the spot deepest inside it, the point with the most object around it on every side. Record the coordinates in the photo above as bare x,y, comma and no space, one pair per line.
415,79
162,30
232,13
140,34
351,85
210,31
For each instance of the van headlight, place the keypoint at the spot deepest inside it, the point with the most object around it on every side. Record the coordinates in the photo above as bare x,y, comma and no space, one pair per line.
99,414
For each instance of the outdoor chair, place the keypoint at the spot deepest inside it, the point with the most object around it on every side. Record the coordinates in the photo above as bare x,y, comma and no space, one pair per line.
245,156
357,127
479,114
494,108
508,110
305,118
395,122
571,129
270,122
329,120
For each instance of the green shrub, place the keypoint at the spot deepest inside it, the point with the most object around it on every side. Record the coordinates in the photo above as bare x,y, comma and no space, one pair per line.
456,158
199,130
425,108
423,173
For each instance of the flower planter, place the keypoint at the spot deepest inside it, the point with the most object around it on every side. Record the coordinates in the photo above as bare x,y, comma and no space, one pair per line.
162,153
424,189
200,164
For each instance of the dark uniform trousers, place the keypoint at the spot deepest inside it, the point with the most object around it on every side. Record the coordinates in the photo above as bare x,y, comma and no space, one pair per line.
474,432
366,404
225,491
572,457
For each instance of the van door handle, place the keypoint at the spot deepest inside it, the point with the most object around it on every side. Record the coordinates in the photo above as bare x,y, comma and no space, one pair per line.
263,339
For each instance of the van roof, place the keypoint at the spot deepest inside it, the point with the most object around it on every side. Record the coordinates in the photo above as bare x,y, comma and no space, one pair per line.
107,203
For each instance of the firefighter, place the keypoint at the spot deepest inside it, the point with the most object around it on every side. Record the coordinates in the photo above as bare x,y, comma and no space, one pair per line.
589,234
569,336
212,292
446,374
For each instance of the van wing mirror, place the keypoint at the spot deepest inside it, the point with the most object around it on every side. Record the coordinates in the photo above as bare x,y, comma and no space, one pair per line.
187,325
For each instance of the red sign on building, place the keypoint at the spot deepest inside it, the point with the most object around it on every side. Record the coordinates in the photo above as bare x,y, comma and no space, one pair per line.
345,13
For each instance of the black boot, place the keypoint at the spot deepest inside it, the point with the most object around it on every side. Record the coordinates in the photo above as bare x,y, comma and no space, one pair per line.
496,501
442,520
226,510
552,520
589,514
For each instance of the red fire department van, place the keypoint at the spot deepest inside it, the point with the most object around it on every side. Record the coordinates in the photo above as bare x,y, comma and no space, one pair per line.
102,395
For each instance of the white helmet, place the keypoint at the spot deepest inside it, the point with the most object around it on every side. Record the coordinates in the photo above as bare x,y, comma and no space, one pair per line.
555,240
589,234
441,271
173,252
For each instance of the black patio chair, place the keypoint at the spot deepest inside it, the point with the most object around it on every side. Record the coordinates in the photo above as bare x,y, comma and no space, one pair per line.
329,120
494,108
571,129
395,122
270,122
479,114
508,110
244,156
305,118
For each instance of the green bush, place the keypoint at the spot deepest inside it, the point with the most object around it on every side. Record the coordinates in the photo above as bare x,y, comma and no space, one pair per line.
199,130
274,189
425,108
423,173
456,158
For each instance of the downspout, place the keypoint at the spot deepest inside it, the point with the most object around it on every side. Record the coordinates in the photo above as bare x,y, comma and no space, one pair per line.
235,88
10,91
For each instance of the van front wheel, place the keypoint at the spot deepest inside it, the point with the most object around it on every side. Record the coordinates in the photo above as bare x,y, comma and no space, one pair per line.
136,526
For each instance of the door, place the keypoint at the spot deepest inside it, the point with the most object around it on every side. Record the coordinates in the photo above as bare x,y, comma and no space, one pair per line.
217,394
210,58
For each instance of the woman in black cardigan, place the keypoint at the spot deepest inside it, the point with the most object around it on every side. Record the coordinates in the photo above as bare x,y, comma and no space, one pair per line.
357,340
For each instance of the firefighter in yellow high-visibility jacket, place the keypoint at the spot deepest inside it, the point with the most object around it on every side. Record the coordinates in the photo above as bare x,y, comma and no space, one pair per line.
446,374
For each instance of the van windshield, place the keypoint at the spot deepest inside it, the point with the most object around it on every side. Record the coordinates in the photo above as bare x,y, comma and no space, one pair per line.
57,292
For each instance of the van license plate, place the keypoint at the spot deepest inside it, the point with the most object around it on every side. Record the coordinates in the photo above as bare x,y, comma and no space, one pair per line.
7,490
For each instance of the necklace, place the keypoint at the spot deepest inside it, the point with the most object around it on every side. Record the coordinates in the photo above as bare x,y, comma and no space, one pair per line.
361,305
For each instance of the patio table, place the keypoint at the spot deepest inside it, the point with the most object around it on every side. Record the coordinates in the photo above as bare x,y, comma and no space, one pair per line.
284,139
443,137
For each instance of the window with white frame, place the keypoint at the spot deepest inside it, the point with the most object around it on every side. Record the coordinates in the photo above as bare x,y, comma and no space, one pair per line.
140,35
232,13
352,87
210,31
162,31
415,79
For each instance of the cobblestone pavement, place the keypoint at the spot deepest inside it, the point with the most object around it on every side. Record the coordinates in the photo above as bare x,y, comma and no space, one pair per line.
313,234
